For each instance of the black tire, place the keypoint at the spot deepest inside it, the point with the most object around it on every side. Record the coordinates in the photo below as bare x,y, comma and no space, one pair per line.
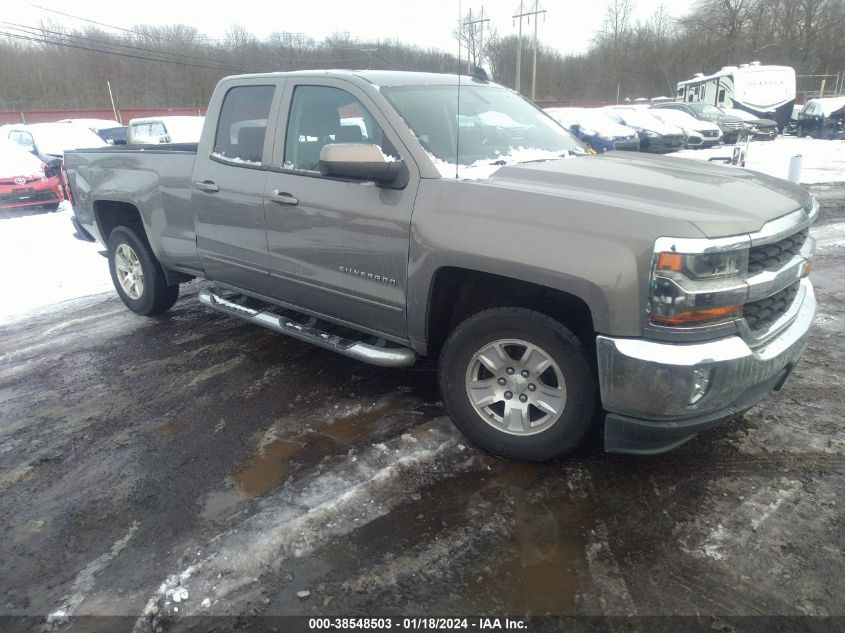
558,342
156,296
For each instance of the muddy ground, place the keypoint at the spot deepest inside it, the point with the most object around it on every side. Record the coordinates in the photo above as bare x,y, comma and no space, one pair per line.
194,464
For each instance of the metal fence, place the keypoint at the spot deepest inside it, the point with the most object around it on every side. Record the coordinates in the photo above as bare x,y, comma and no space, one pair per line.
815,86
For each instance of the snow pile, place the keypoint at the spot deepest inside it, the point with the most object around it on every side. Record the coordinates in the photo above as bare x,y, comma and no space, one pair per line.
824,160
830,105
43,263
485,168
235,159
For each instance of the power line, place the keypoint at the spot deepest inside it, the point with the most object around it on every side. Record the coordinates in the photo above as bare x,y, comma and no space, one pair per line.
521,14
105,52
38,32
197,44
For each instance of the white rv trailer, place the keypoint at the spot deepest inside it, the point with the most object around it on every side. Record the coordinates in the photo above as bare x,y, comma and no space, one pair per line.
767,91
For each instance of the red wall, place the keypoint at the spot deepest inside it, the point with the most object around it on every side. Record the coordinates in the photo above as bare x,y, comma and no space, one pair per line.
43,116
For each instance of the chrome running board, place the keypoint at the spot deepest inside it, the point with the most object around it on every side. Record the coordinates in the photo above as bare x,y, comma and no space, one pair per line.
372,354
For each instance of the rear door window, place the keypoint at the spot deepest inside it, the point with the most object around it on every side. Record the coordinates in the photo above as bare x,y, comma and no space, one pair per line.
242,126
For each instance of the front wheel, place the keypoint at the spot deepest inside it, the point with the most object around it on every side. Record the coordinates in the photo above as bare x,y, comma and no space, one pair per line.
518,383
137,275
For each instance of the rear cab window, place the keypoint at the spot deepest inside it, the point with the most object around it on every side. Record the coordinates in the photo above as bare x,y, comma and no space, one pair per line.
242,126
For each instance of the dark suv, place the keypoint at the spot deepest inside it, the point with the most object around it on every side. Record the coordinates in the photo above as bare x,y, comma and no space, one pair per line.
823,118
732,126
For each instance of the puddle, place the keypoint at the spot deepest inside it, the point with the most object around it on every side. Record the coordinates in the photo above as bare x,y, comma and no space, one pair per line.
362,421
268,468
543,567
276,458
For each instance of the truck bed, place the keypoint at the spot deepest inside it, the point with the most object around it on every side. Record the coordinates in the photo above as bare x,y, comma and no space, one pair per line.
168,148
155,179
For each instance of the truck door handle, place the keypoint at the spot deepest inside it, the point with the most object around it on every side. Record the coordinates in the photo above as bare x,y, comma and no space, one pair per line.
282,197
206,185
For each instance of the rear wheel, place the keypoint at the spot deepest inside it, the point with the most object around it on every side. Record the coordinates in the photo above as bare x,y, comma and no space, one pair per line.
518,383
137,275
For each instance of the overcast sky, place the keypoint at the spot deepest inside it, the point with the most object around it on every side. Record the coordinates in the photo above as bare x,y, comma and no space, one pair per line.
568,26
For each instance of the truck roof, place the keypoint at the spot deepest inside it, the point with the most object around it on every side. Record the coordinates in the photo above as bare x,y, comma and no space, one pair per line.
377,77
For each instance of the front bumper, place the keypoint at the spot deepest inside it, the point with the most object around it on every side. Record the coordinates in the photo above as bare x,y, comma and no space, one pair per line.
661,144
646,386
627,145
32,194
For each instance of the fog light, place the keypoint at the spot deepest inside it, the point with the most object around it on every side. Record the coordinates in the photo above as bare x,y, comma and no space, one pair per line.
700,383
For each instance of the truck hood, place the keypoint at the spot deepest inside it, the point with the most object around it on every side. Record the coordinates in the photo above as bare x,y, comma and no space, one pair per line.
718,200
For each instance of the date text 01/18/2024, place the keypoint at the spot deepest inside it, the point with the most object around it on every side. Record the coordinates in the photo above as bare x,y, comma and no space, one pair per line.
417,624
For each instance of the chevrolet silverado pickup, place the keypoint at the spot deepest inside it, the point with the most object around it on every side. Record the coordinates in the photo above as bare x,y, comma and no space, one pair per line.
389,216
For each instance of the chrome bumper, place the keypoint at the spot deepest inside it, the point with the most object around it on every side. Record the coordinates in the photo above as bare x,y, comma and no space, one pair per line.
651,384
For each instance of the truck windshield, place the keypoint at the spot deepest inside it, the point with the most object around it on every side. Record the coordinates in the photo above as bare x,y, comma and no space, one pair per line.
494,125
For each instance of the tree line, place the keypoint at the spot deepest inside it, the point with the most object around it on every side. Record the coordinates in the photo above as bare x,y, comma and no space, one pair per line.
53,66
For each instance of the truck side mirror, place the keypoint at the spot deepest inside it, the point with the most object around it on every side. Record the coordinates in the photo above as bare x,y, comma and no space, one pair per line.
358,160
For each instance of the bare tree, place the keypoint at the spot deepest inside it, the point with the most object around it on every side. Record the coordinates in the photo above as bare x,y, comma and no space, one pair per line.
475,38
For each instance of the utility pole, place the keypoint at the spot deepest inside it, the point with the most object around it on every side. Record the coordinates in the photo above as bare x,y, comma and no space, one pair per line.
470,24
523,13
519,49
369,52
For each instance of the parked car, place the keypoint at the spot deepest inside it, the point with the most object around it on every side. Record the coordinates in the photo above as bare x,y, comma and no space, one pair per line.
755,128
49,141
655,135
697,133
733,128
111,132
823,118
595,128
25,181
542,277
165,129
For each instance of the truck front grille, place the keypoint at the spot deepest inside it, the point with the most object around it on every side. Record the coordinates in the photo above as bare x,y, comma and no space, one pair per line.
760,315
773,256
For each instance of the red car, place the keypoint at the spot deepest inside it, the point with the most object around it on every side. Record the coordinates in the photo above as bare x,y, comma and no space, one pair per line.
25,181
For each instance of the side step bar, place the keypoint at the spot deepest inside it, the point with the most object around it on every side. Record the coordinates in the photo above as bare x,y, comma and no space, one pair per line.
383,356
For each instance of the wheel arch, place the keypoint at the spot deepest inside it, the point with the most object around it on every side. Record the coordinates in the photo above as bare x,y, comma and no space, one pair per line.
109,214
456,293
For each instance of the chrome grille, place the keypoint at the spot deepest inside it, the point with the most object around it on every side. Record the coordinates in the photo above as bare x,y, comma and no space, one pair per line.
774,256
761,315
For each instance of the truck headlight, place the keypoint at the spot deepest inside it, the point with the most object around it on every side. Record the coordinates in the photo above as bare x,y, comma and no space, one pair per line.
689,289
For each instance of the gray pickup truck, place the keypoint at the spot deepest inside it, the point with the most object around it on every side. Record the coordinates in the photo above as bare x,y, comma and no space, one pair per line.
387,216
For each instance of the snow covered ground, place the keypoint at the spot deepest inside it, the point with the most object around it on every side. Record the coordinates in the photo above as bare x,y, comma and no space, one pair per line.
824,161
43,263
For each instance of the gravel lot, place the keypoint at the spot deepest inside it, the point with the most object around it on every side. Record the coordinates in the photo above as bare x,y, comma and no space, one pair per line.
193,464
